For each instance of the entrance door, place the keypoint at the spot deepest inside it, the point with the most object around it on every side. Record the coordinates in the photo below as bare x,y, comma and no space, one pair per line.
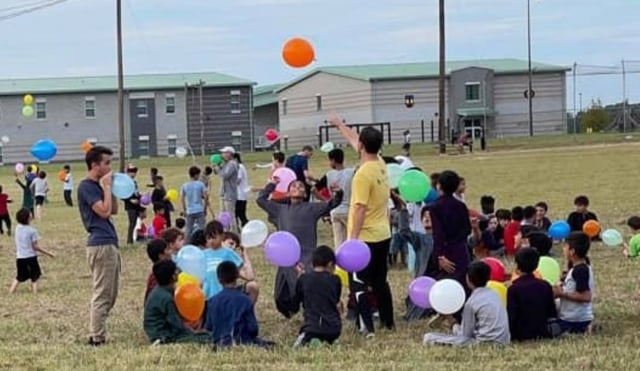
474,128
142,112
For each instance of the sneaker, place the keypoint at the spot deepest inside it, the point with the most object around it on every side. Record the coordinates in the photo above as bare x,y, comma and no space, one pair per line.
298,342
369,335
95,343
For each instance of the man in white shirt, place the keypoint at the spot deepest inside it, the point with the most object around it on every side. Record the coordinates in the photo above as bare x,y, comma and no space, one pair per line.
68,186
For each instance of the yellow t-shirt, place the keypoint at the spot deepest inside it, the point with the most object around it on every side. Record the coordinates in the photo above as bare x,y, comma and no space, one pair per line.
370,188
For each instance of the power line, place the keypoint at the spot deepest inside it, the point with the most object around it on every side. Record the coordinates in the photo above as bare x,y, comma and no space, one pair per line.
34,8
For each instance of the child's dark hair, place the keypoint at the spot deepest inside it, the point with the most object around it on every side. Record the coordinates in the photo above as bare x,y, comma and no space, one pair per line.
42,174
227,273
541,242
159,178
517,213
581,201
158,207
164,271
449,182
487,204
213,228
208,170
479,273
171,235
180,223
322,256
23,215
371,139
231,236
503,214
527,260
154,171
579,243
527,230
424,210
194,172
66,167
278,156
633,222
434,179
198,238
543,205
529,212
337,155
155,248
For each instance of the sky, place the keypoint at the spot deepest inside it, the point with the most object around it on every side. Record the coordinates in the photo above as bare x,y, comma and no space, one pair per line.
244,37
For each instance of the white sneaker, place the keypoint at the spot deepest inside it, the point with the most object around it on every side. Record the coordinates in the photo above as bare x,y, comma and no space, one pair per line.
298,342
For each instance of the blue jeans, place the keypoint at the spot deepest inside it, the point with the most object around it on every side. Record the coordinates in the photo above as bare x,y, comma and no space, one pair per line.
194,222
573,327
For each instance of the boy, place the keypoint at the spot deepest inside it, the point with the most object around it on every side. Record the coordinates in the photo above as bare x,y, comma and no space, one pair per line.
504,217
484,318
159,222
576,312
540,241
319,293
4,212
174,239
162,323
632,249
232,241
529,214
542,222
159,195
512,229
157,250
230,316
67,188
530,301
577,218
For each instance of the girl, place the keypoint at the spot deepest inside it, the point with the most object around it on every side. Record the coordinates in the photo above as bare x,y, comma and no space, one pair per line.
27,250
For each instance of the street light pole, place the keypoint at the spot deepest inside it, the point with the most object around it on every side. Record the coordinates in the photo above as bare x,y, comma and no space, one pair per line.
530,92
441,87
120,103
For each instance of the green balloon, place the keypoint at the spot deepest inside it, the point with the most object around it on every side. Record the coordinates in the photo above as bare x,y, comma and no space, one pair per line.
549,270
414,185
27,111
216,159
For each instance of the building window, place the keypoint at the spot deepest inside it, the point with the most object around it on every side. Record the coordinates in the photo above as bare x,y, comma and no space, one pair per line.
41,109
235,102
172,145
284,107
142,109
472,91
89,107
143,146
318,102
170,104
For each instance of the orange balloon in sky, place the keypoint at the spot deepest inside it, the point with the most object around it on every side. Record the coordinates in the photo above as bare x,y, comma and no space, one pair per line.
189,300
298,53
591,228
86,146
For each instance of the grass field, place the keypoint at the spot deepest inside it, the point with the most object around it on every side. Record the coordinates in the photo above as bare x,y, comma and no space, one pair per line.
48,330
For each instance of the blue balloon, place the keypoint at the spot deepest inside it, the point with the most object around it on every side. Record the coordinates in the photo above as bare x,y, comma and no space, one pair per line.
122,186
44,150
559,230
191,260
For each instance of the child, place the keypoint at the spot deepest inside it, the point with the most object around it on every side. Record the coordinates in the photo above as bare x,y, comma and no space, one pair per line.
232,241
577,218
487,205
39,189
490,246
180,224
484,318
319,293
67,187
504,218
174,238
159,222
406,146
541,221
4,212
459,193
157,250
140,229
433,194
539,241
529,214
632,249
576,312
159,195
162,323
27,196
230,314
530,301
27,250
512,229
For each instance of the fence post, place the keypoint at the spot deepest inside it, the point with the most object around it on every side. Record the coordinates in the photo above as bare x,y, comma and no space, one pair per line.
422,129
432,136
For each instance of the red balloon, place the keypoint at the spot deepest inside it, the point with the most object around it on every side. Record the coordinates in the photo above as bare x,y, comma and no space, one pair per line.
298,53
271,135
497,269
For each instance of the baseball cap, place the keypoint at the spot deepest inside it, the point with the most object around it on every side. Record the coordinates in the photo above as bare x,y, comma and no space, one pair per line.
227,149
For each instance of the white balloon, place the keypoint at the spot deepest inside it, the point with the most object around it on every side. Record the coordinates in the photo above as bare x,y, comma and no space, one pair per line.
327,147
447,296
405,162
5,139
254,233
181,152
394,173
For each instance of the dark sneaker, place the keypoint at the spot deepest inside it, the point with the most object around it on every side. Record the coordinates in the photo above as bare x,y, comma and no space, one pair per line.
95,343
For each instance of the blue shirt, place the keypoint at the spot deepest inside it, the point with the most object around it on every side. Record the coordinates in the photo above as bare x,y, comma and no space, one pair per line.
432,196
211,286
298,164
193,192
101,231
230,318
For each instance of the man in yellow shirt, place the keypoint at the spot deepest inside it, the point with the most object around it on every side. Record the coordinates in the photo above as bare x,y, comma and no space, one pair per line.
369,222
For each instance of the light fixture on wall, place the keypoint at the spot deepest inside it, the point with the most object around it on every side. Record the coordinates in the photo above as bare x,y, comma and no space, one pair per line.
409,100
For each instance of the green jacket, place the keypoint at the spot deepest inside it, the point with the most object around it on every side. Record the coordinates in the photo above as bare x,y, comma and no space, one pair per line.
162,321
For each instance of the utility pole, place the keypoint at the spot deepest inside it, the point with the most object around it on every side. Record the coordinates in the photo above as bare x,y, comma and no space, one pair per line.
624,98
575,113
530,93
120,104
202,146
441,82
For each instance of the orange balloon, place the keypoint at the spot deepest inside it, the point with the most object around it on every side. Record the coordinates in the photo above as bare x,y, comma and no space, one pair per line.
298,53
189,300
62,175
591,228
86,146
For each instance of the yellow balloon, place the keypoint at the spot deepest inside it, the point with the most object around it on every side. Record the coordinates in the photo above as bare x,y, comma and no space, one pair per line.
343,275
172,195
184,278
500,289
28,100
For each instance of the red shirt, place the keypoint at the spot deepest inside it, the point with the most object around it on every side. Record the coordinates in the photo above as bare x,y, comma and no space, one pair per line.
159,223
142,232
4,200
510,232
151,284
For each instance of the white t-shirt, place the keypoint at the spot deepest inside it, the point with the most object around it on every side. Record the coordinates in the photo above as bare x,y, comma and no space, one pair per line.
243,183
68,183
40,187
26,235
343,178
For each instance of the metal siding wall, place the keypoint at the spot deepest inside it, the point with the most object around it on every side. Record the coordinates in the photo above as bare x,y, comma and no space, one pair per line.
170,124
265,117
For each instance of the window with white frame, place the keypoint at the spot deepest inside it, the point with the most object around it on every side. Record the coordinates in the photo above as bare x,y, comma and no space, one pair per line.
41,109
284,107
472,91
170,104
142,110
172,144
90,107
143,146
235,102
318,102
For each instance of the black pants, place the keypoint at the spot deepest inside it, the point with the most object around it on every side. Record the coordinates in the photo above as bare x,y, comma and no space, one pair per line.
167,217
326,338
133,217
374,276
67,198
6,219
241,213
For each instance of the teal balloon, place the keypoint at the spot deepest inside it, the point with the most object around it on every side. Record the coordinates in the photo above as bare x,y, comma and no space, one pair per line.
27,111
216,159
612,238
122,186
414,185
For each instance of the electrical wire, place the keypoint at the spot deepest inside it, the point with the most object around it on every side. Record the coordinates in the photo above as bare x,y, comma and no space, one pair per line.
34,8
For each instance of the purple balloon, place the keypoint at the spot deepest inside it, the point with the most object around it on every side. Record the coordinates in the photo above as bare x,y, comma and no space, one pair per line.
282,249
151,232
225,219
145,199
419,291
353,255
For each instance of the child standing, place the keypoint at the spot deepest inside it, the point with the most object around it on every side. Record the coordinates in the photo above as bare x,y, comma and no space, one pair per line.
576,292
27,196
159,196
39,189
159,222
4,212
67,187
157,250
582,214
484,318
406,146
632,249
27,250
319,293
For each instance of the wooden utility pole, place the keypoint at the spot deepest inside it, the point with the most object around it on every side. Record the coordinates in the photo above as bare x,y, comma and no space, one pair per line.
120,87
441,86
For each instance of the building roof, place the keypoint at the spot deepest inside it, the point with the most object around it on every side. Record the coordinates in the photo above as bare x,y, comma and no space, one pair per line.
265,94
57,85
423,70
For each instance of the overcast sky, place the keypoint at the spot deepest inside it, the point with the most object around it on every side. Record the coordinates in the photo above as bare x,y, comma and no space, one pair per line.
244,37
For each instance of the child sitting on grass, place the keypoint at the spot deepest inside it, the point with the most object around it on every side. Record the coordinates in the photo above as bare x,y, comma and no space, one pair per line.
27,250
157,250
512,229
140,230
230,314
174,238
319,293
632,249
576,292
582,214
530,301
484,318
251,288
162,323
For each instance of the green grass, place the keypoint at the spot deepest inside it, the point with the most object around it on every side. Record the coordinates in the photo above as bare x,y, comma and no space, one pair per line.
48,330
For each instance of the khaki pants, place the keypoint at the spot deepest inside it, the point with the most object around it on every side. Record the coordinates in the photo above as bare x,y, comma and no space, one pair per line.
104,262
339,226
230,207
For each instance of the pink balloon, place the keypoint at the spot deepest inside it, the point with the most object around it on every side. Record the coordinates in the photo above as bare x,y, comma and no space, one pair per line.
282,249
419,291
286,176
353,255
19,168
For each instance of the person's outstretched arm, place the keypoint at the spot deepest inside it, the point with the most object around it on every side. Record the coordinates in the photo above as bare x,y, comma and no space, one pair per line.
349,134
321,209
272,208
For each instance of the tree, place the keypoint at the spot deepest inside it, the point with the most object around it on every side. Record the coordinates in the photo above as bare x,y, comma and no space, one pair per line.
595,118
